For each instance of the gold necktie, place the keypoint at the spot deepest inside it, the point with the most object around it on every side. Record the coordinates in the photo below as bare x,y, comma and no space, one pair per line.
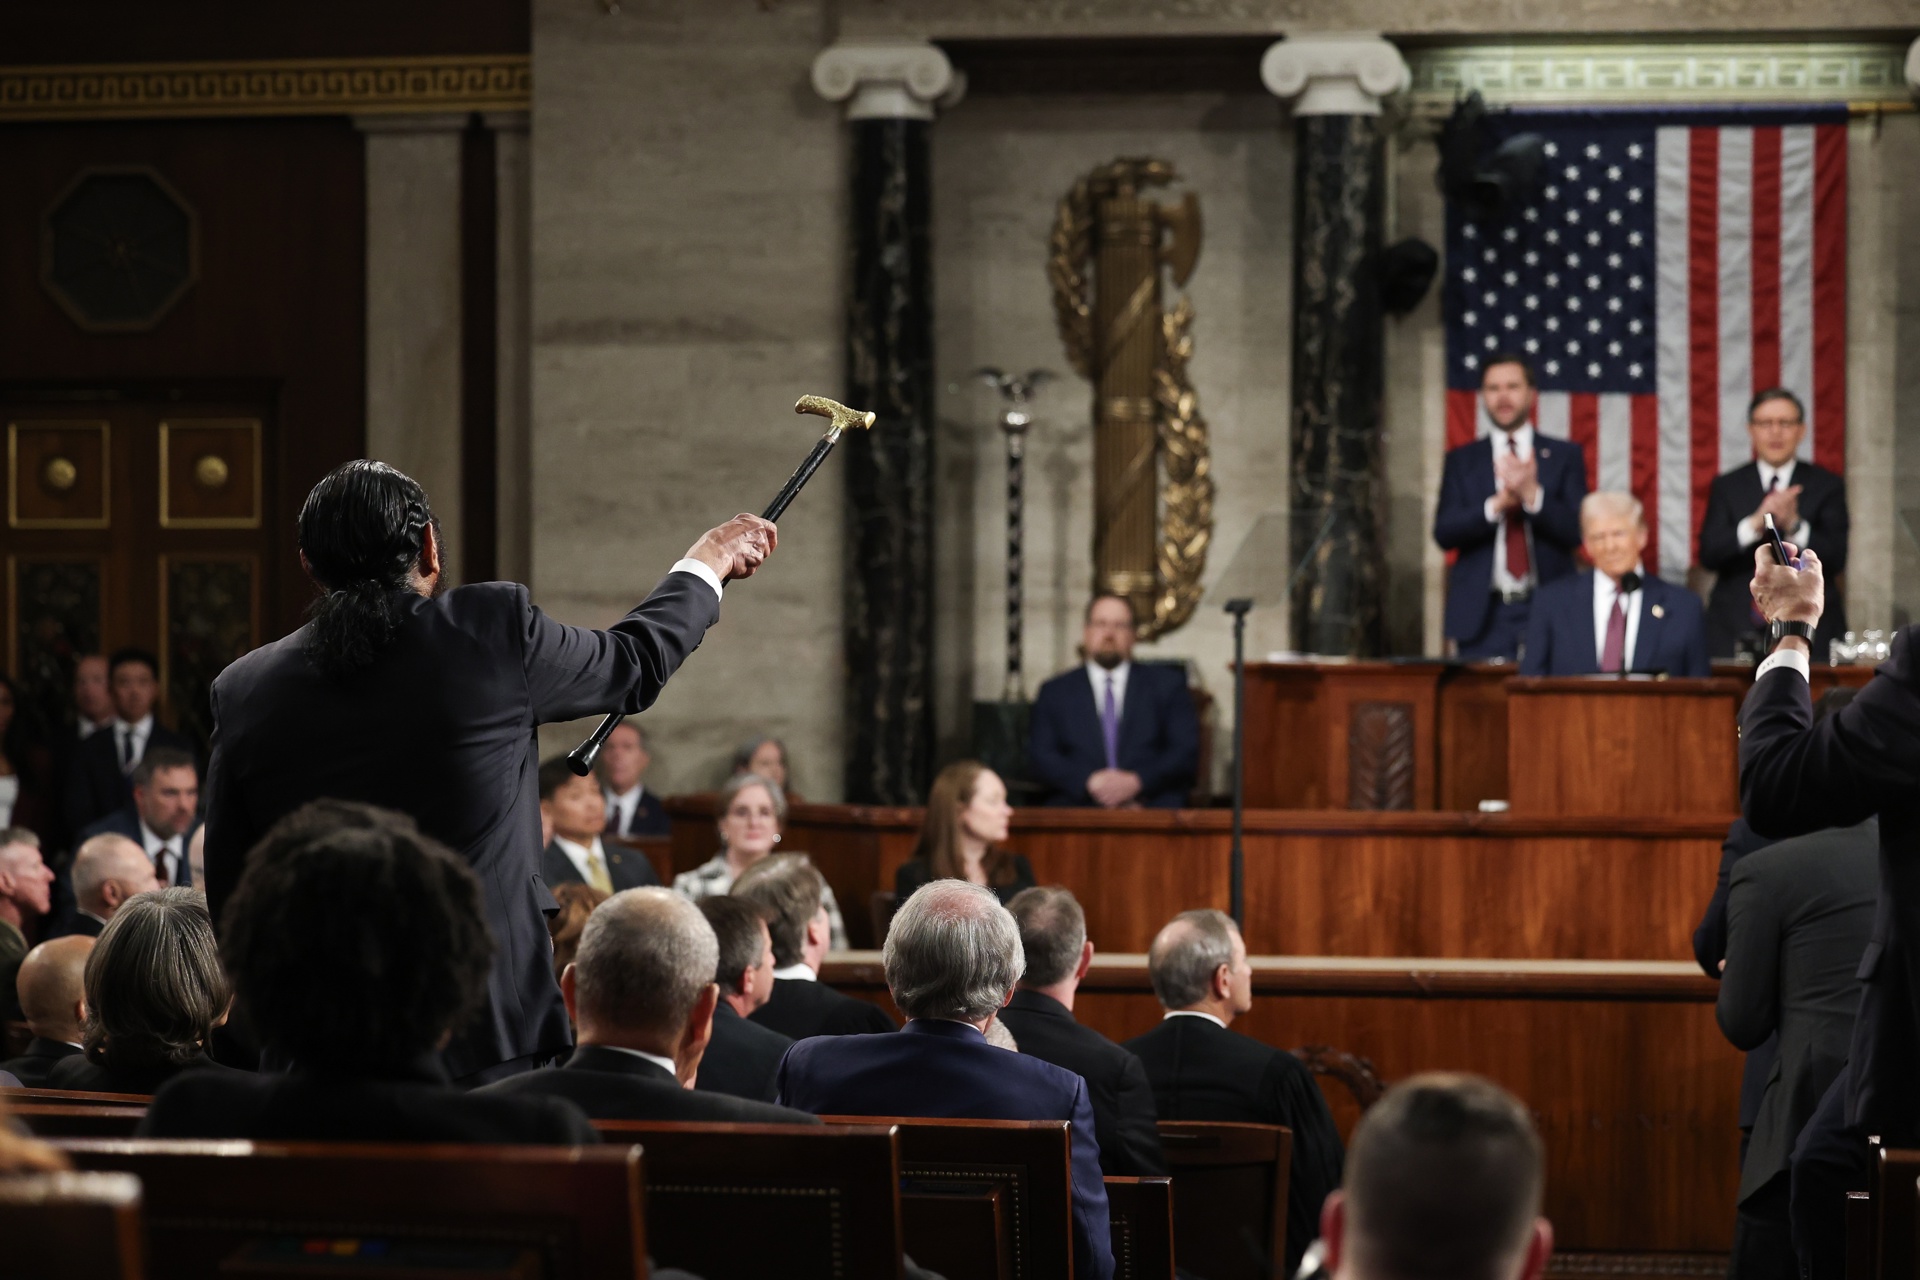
597,872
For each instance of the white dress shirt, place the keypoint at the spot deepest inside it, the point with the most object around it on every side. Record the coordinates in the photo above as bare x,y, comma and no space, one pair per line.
700,570
166,854
665,1064
1791,658
796,973
140,732
1605,592
620,807
580,856
1750,536
1194,1013
1099,675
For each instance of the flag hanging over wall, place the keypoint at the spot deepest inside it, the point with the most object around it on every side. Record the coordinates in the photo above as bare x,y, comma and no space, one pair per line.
1667,266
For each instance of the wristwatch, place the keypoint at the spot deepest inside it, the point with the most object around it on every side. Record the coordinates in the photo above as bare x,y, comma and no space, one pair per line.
1778,631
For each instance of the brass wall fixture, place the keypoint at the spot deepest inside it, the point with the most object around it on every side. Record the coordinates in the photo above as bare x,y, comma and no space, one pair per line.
59,473
211,471
1107,251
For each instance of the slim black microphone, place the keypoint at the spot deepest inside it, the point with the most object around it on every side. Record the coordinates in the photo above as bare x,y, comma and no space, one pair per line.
1629,583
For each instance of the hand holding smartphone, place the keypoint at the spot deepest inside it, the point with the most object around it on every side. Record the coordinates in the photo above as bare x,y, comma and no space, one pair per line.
1779,547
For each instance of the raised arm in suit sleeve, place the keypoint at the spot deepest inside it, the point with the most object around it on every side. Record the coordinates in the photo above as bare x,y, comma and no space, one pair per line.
1749,1004
1092,1232
1179,756
1131,1146
1558,520
1049,757
577,671
1797,776
1460,518
1720,548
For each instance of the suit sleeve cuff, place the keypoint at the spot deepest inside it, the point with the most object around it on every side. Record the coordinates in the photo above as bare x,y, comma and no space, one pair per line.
1792,658
700,570
1539,501
1493,517
1749,536
1801,535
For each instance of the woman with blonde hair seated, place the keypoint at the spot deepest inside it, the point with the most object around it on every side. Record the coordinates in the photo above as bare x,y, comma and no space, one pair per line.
960,838
752,810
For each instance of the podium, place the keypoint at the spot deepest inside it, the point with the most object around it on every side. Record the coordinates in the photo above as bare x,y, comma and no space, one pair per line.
1608,746
1329,734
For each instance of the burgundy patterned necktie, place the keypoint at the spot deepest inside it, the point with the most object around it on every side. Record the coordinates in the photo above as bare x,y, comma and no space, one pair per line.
1614,656
1515,530
1110,727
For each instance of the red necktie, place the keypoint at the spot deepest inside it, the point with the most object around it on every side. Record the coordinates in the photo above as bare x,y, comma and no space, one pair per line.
1614,656
1516,532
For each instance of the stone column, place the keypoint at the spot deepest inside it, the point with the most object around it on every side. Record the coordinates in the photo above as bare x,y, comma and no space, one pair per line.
1338,487
890,91
413,304
514,456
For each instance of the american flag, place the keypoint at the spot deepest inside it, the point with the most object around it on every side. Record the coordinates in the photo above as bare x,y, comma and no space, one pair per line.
1667,266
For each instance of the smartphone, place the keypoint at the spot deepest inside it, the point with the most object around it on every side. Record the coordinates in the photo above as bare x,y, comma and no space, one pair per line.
1779,547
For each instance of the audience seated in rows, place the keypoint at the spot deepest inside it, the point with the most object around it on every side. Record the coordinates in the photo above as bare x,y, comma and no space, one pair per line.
765,757
1444,1180
743,1057
791,895
578,813
632,810
952,958
164,814
962,834
356,946
107,872
154,991
1053,934
26,895
98,776
576,902
752,812
1202,1070
53,998
641,993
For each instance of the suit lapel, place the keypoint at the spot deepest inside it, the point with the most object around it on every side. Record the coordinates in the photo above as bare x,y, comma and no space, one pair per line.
1646,644
1483,467
1583,643
1090,710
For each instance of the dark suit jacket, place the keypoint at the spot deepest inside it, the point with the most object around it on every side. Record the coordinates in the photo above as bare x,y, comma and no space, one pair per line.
800,1008
95,787
1159,736
649,817
33,1066
608,1084
1797,776
947,1069
1560,631
914,872
626,868
1202,1071
1460,524
442,726
80,925
126,822
1124,1119
1735,496
743,1058
1798,917
1710,948
411,1104
79,1073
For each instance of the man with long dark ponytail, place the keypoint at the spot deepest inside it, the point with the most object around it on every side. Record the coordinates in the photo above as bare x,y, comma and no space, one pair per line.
402,694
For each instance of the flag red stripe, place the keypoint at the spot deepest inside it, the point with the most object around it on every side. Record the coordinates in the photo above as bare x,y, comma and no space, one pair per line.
1765,320
1646,470
1830,297
1703,310
1461,408
1583,428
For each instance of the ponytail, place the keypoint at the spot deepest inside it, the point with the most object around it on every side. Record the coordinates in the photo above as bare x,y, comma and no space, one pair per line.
363,532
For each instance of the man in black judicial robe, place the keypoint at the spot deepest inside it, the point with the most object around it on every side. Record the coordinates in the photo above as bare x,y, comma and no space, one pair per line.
429,702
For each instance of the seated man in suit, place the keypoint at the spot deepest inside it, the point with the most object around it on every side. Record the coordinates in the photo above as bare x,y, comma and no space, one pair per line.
356,945
26,894
578,813
952,957
632,810
97,783
1112,733
1808,504
108,870
790,895
743,1055
1612,618
1799,914
164,813
1053,933
1201,1070
1444,1179
52,998
1509,511
641,993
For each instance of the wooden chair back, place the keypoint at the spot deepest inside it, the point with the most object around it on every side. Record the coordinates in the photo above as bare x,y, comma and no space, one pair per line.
1229,1197
1896,1211
1141,1210
799,1201
70,1224
47,1121
1347,1081
1028,1160
246,1209
73,1098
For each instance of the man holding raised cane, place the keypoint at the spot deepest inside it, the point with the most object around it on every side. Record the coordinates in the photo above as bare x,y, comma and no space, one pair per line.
1797,776
400,693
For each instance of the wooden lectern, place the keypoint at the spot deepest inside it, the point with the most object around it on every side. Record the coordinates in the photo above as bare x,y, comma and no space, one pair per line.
1612,746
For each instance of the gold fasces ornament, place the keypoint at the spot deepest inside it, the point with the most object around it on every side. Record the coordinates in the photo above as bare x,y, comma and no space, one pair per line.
1107,252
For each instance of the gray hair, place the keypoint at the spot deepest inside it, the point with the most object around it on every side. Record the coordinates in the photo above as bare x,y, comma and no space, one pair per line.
788,890
1611,502
740,782
1186,954
18,835
105,857
743,754
644,958
952,952
1053,930
155,988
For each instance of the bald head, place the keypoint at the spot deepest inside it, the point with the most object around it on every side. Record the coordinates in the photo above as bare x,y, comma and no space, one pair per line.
107,871
51,989
645,957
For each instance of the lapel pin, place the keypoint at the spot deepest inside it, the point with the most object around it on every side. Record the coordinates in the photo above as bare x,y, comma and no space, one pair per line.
1659,611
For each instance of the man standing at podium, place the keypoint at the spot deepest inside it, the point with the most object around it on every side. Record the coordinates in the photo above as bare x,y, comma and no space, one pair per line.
1510,511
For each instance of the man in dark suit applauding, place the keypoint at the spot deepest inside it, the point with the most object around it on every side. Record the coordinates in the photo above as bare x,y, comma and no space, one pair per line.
1808,504
1201,1070
573,807
952,957
790,894
1114,733
1053,933
1611,618
1509,510
743,1056
99,781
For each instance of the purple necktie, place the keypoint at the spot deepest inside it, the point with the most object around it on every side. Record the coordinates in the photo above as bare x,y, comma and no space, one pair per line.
1615,655
1110,728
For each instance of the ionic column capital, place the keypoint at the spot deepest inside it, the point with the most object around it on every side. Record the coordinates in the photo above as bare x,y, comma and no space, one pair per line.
887,81
1335,74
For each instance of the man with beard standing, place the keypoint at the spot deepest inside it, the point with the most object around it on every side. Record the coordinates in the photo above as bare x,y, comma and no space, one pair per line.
1113,733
